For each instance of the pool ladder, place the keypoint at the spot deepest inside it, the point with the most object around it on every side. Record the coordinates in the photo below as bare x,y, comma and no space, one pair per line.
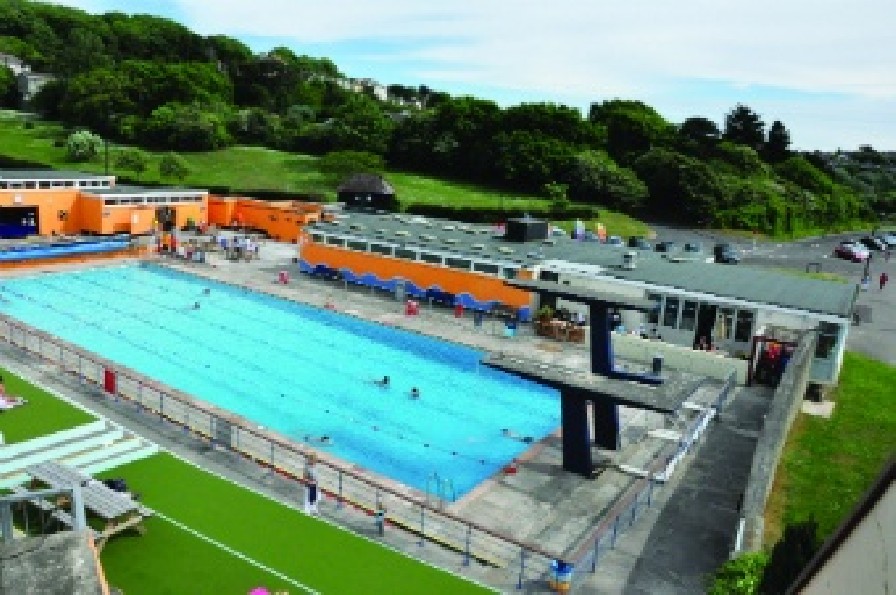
440,489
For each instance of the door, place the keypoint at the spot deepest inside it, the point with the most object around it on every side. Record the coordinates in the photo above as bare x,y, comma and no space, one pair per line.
706,320
166,217
18,222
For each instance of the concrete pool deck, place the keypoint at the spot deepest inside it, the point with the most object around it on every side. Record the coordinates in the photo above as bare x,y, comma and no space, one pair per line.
539,504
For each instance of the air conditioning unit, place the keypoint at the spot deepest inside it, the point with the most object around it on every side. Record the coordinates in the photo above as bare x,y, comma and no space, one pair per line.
402,232
477,247
449,227
505,250
450,240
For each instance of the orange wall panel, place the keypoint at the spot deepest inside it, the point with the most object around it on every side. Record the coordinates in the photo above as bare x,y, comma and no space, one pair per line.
48,203
482,287
221,210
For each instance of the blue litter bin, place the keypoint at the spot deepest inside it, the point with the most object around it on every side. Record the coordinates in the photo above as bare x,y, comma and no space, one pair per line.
561,576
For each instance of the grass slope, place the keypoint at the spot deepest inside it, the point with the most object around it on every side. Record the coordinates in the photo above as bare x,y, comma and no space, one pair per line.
245,168
827,464
43,414
306,549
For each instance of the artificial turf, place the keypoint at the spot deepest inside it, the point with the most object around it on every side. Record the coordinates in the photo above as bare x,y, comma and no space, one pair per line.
325,558
43,413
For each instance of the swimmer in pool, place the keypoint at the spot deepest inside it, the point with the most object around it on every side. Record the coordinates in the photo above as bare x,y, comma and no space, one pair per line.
383,383
207,291
196,306
415,393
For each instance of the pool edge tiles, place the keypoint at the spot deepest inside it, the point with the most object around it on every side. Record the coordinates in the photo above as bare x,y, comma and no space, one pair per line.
359,402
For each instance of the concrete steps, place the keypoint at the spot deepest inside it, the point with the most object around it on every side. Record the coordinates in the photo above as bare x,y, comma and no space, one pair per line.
92,448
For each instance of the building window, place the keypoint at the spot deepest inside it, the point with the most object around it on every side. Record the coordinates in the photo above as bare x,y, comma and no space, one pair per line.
317,237
430,258
510,273
724,324
653,316
670,314
553,276
405,253
44,184
688,316
334,241
458,263
743,330
356,245
484,267
827,339
383,249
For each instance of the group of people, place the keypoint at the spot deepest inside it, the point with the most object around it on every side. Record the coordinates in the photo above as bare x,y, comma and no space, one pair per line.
386,382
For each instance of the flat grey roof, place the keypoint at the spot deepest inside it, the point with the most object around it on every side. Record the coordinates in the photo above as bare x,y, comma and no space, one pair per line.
678,271
667,397
122,189
48,174
584,295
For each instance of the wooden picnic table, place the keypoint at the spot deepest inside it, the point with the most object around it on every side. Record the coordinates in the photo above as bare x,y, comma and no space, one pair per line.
118,511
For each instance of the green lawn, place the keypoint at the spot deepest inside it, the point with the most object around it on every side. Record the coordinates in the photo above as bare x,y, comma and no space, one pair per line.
827,464
43,414
168,559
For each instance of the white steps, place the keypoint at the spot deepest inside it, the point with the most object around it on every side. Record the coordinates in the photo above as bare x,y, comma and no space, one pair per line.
92,448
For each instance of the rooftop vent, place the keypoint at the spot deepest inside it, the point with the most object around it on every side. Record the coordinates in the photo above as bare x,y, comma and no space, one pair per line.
357,226
428,224
425,237
397,217
630,260
478,247
402,232
449,227
505,250
380,232
484,230
549,242
471,230
450,240
463,227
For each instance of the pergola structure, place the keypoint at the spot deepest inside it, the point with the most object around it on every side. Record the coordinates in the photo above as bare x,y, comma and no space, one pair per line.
605,387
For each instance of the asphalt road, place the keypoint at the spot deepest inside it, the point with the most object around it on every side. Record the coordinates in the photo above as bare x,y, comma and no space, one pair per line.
876,338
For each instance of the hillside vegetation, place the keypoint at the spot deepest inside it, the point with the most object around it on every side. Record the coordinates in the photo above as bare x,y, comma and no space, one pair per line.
150,82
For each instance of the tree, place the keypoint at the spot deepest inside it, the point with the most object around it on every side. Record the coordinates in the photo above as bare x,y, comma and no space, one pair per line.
173,165
633,127
133,160
777,146
83,145
596,178
744,126
557,194
739,576
8,94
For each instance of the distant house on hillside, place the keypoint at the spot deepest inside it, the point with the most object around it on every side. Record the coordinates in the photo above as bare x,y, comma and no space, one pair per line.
367,192
14,63
31,82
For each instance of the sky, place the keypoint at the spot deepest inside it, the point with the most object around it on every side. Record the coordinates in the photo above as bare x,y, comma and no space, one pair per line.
825,68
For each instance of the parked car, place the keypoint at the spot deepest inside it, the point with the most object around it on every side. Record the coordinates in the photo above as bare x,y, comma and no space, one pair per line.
639,243
888,238
873,243
851,251
614,241
692,247
725,254
664,246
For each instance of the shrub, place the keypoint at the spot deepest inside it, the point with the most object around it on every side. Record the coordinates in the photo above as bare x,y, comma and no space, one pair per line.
83,145
133,160
173,165
740,576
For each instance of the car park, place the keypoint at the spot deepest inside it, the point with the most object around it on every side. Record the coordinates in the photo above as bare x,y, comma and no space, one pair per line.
725,254
851,251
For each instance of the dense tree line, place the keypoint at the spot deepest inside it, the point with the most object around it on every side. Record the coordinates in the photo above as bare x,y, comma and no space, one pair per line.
151,82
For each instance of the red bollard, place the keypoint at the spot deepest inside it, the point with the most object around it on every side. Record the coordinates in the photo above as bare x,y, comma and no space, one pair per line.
458,310
283,277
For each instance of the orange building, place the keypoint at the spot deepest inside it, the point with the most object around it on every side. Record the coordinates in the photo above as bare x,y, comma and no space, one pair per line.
37,202
46,202
282,221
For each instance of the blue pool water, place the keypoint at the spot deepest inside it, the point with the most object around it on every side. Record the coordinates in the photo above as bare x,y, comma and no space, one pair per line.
298,370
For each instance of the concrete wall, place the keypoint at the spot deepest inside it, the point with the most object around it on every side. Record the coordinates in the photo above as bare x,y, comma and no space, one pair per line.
785,406
634,348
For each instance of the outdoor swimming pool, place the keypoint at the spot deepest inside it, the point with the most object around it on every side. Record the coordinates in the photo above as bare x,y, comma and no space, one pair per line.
298,370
